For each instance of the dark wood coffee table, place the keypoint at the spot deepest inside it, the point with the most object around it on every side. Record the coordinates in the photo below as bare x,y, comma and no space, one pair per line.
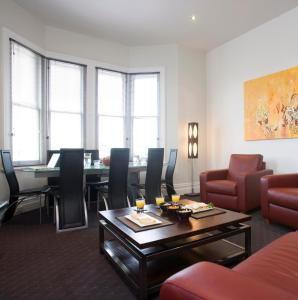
145,259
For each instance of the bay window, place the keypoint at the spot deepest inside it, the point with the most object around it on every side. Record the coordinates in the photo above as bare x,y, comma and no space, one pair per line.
47,105
128,111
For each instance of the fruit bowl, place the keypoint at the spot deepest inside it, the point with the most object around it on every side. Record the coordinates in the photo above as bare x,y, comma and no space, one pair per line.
184,214
106,161
164,206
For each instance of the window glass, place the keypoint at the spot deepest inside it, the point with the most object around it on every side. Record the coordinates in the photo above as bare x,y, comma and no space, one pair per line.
111,111
144,99
26,91
128,114
66,94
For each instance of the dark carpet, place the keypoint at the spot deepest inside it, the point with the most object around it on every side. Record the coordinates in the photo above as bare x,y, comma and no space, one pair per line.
38,263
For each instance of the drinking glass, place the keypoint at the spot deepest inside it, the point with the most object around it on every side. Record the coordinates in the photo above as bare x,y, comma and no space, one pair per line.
96,163
140,204
159,200
175,198
87,160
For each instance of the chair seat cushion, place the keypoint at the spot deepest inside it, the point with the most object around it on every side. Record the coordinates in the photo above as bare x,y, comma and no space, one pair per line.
226,187
286,197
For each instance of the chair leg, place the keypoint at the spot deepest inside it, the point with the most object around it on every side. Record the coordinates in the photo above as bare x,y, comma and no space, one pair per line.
88,191
40,209
128,202
46,199
106,202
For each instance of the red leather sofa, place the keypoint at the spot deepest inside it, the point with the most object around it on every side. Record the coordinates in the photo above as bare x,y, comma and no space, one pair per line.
238,187
271,273
279,199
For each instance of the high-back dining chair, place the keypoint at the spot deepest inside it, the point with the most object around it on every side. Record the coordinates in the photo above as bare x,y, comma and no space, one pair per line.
167,183
117,183
153,174
70,203
17,196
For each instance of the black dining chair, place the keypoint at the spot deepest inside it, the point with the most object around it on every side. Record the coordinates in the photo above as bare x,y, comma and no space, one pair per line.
114,191
70,206
167,183
16,196
152,184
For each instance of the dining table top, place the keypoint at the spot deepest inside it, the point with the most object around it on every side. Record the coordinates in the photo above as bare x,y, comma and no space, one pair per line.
44,171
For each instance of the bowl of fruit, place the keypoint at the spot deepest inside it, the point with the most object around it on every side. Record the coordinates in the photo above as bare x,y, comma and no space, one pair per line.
106,161
184,213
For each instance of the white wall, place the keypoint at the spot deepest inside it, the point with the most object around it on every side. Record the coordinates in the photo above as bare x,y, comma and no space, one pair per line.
267,49
191,108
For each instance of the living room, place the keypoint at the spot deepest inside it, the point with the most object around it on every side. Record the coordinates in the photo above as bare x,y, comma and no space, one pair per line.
204,53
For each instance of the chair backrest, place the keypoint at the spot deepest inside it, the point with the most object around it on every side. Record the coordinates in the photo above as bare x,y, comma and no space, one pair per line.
117,189
71,206
13,184
153,174
10,173
170,172
53,181
244,163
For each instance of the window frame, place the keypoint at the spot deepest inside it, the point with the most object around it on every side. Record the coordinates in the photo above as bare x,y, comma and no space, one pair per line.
83,100
128,118
44,105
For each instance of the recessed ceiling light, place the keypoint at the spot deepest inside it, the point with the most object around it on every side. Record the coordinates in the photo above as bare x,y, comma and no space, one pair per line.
193,18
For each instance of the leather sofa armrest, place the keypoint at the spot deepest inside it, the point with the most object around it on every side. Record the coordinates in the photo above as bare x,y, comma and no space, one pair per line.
249,189
281,180
208,281
210,175
272,181
215,174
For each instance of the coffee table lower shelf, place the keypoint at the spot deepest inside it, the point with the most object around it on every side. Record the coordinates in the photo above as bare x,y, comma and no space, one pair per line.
159,269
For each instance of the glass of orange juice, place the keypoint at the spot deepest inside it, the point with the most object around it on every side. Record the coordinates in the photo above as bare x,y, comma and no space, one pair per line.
140,204
159,200
175,198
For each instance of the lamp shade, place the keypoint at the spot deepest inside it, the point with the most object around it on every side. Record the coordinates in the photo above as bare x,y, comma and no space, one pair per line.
193,139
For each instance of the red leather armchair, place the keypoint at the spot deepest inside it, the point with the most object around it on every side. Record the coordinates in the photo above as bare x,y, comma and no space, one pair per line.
279,200
238,187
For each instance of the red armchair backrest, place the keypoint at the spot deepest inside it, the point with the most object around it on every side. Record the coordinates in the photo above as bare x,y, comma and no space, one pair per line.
244,163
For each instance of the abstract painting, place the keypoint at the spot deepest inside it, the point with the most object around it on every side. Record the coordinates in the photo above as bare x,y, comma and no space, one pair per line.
271,106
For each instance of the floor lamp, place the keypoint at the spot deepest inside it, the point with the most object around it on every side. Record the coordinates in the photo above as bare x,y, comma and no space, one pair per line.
193,139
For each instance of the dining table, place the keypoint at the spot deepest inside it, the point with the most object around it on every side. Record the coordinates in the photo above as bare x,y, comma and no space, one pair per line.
44,172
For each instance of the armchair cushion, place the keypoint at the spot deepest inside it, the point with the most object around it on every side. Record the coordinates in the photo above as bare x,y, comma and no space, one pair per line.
285,197
226,187
244,163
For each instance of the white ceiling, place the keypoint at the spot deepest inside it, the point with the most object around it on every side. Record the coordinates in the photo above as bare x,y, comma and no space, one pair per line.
149,22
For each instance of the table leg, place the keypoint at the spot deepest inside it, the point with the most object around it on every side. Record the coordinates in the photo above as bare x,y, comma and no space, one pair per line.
101,235
143,279
248,242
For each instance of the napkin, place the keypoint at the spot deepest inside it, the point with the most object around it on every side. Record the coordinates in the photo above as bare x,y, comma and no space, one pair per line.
144,219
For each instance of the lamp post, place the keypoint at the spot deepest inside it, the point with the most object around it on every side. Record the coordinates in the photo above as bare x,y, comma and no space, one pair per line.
193,139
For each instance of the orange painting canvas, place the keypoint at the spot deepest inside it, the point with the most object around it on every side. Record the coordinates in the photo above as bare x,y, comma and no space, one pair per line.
271,106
